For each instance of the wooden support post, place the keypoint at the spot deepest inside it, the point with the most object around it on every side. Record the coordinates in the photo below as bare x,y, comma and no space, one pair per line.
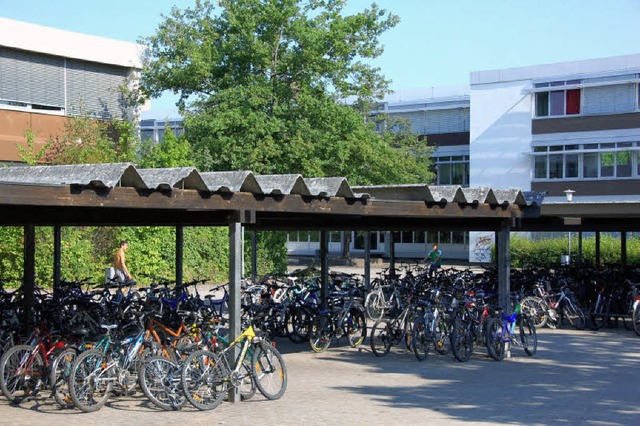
324,267
580,248
57,255
235,282
29,269
503,257
623,250
367,260
597,260
392,255
179,253
254,257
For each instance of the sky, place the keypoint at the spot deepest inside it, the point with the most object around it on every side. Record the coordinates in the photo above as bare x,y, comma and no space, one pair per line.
437,43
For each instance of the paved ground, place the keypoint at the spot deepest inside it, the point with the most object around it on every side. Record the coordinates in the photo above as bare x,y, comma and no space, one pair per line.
577,377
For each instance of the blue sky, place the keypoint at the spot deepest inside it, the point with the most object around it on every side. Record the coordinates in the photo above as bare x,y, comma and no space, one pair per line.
437,43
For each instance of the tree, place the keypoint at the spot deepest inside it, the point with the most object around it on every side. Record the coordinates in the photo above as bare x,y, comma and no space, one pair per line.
171,151
263,84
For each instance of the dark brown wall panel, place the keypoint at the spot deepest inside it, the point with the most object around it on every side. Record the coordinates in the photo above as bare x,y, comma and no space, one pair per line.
447,139
595,187
586,123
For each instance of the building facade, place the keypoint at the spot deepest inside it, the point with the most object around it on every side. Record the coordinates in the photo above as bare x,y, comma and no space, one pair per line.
47,75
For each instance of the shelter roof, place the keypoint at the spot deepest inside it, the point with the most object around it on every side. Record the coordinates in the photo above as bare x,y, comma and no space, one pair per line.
121,193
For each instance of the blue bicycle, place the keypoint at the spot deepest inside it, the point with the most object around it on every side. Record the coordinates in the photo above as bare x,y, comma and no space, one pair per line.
506,331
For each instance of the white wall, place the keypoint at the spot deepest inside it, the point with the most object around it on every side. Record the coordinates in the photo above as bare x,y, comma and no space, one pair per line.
500,135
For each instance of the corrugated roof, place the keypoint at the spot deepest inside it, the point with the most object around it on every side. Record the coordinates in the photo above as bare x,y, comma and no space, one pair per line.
127,175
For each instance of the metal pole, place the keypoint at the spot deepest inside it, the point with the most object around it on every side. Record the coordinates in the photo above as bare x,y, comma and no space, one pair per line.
504,266
623,249
254,257
597,260
57,255
580,247
367,260
29,268
179,253
392,255
324,267
235,282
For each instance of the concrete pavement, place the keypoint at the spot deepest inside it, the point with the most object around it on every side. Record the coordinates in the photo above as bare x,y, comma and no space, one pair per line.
576,378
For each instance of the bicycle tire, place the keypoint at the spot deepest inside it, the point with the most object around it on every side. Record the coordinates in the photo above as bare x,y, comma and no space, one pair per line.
356,327
248,384
421,341
636,319
320,333
374,306
161,382
22,373
203,380
298,326
89,382
495,342
269,371
462,341
381,337
442,338
574,315
528,336
534,307
59,376
598,316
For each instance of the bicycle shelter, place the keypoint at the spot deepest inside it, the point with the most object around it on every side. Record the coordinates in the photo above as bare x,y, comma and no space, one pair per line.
121,194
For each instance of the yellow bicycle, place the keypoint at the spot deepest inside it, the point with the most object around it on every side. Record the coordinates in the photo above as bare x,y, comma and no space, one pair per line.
207,375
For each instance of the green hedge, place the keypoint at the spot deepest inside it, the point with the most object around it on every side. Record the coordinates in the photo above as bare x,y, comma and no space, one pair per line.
87,251
527,252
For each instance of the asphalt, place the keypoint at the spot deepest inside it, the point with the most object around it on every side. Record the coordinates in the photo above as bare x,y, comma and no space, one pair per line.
575,378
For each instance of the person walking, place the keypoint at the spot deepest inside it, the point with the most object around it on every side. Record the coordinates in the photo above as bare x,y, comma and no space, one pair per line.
434,258
119,263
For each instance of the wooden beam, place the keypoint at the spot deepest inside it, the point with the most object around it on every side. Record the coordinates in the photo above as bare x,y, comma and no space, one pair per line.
179,253
29,268
503,255
324,267
57,255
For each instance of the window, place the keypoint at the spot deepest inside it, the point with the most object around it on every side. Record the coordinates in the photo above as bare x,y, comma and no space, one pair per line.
452,170
587,161
419,237
590,165
559,101
314,236
407,237
335,237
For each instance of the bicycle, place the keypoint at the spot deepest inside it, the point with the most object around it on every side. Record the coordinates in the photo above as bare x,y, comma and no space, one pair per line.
501,334
207,376
431,328
95,371
341,319
390,332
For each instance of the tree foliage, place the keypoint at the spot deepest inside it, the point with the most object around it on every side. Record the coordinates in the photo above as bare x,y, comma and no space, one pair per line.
171,151
263,84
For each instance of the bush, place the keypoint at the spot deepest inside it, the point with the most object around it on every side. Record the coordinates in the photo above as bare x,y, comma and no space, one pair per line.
87,251
527,252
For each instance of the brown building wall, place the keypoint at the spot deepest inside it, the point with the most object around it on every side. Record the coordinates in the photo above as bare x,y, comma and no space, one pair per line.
602,187
586,123
447,139
14,124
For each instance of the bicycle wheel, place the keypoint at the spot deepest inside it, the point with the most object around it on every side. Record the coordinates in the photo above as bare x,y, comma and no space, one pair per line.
574,315
636,319
298,325
462,341
59,376
495,342
269,371
598,315
534,307
320,333
421,340
247,383
528,337
23,373
381,337
160,380
203,380
442,338
356,327
374,306
90,381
